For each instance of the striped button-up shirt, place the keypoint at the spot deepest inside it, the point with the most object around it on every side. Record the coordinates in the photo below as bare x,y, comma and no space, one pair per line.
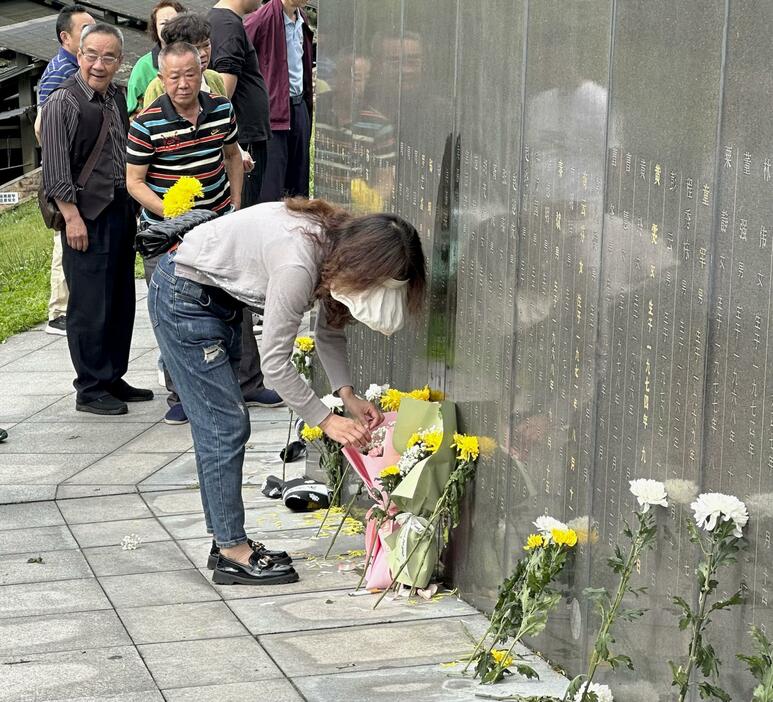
58,129
58,70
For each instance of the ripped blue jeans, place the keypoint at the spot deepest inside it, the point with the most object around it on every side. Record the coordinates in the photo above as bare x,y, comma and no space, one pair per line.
198,329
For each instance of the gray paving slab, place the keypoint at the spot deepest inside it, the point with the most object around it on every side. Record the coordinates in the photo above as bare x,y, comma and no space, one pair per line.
430,683
43,566
329,610
161,438
19,345
187,501
46,383
51,538
181,622
97,672
26,516
20,472
61,632
111,533
355,648
151,557
16,408
121,469
267,435
103,509
48,358
193,663
67,492
190,526
302,542
142,590
64,411
177,473
73,437
145,696
273,690
33,599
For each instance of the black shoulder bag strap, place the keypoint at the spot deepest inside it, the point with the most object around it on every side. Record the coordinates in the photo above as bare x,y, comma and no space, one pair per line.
96,151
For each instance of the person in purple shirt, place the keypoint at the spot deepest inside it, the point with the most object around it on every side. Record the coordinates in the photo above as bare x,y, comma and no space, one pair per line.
69,25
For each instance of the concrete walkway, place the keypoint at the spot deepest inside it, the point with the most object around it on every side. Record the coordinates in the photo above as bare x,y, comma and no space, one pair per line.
83,619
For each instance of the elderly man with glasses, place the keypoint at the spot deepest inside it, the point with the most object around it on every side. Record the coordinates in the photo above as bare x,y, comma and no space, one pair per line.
87,115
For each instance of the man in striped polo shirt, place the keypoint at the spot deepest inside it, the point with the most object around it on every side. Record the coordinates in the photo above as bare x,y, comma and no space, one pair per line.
184,132
69,25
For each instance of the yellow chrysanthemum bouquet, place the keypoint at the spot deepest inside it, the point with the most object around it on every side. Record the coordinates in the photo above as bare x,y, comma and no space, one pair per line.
525,601
180,197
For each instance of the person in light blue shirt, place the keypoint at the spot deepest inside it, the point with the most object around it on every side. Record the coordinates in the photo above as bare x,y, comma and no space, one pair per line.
69,25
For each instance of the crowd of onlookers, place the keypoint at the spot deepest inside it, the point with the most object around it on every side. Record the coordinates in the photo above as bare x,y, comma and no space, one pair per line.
226,98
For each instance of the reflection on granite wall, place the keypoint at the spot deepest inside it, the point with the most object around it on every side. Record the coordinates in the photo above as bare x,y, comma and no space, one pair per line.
592,183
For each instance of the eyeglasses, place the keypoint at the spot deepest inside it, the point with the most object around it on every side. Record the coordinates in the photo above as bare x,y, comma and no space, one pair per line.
106,60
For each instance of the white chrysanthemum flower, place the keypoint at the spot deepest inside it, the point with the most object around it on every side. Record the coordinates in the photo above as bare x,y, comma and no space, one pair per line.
649,492
681,492
713,507
375,391
332,402
761,505
409,459
602,692
546,524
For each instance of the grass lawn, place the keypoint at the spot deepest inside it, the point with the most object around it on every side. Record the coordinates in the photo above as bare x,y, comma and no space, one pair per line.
25,265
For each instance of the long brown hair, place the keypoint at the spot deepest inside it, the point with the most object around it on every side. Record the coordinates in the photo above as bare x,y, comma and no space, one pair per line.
360,253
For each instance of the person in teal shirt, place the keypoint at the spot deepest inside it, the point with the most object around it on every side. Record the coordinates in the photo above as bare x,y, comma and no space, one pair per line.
146,68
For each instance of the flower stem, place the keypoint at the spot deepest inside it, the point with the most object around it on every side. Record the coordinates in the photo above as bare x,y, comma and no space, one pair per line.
332,500
341,524
698,625
287,445
609,618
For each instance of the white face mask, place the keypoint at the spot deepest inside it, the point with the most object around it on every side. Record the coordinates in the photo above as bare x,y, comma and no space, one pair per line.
382,308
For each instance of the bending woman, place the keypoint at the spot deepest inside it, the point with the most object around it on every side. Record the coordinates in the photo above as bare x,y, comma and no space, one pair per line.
283,256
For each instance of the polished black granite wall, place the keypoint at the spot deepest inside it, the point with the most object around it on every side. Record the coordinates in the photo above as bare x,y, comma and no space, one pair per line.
592,183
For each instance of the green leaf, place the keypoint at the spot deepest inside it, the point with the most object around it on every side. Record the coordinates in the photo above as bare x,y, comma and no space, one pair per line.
709,691
526,671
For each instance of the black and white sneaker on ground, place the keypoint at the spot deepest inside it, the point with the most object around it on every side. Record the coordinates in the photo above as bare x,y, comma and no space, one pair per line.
57,326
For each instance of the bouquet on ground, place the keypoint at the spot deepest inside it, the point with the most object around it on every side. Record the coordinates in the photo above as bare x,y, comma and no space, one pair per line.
524,602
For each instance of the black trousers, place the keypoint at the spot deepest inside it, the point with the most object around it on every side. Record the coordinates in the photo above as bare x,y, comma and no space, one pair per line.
100,311
250,374
287,172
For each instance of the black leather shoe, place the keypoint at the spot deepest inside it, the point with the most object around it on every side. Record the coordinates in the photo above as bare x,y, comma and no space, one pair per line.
3,434
104,405
126,393
278,557
260,571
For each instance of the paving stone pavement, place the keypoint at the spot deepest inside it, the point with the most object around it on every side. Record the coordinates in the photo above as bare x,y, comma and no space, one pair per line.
83,619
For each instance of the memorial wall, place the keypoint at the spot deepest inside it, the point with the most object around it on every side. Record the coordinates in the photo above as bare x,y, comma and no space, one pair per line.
592,183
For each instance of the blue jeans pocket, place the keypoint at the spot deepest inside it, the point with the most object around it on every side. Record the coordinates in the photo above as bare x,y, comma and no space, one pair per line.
153,303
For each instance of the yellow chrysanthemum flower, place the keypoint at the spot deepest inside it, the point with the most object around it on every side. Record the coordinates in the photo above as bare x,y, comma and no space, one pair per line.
414,439
436,395
432,440
390,470
420,393
534,541
564,537
179,198
364,198
390,400
304,344
501,657
467,447
311,433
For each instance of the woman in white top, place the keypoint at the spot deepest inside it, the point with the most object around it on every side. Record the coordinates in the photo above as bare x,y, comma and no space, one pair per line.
284,257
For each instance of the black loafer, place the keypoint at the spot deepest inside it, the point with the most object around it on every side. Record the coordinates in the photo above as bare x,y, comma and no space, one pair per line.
3,434
260,571
125,392
278,557
104,405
